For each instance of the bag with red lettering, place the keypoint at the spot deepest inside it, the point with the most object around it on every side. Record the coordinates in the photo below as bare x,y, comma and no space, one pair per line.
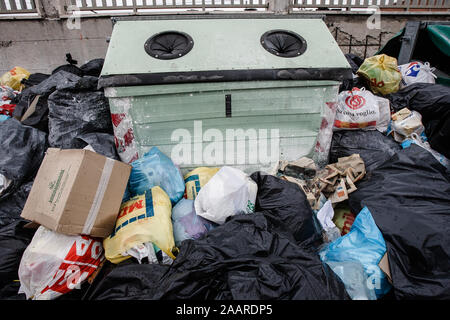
54,264
360,109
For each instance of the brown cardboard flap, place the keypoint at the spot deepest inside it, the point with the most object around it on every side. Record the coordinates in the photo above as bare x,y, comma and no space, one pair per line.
32,225
384,266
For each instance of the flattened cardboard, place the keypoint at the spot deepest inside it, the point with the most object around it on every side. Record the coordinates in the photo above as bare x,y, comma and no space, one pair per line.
384,266
65,187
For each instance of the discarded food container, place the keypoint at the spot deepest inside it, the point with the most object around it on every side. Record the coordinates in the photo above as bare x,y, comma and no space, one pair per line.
77,192
177,83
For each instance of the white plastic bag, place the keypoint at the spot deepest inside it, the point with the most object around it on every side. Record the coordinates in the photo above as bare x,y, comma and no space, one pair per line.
360,109
54,264
229,192
415,72
325,217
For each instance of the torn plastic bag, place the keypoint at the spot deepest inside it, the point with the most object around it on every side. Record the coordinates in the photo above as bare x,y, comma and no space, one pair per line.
365,244
230,191
156,169
432,101
288,203
77,108
22,150
250,257
409,198
11,206
54,264
187,224
93,67
14,239
372,146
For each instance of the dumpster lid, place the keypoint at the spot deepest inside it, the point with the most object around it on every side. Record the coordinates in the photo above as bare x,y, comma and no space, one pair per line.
207,50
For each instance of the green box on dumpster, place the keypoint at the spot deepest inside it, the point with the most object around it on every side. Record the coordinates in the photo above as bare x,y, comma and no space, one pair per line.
212,92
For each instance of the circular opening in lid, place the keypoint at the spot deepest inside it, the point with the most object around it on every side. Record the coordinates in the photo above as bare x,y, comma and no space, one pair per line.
169,45
283,43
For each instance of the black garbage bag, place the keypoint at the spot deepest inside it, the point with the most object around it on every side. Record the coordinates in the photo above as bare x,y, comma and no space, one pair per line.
39,118
354,61
14,239
11,206
22,149
102,143
93,67
249,257
371,145
432,101
77,107
409,198
34,79
288,203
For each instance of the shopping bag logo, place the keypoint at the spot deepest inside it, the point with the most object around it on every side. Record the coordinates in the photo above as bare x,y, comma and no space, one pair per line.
413,70
355,102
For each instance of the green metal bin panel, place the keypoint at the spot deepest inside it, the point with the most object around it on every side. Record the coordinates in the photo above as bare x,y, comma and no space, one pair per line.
223,50
147,116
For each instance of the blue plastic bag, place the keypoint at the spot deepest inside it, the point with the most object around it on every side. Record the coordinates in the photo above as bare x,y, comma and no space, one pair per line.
187,224
156,169
365,244
4,117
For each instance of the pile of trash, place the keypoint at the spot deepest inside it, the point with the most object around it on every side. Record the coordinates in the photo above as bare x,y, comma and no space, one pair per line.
78,223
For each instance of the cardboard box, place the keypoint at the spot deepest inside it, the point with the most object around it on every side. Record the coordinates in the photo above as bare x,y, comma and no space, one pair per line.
77,192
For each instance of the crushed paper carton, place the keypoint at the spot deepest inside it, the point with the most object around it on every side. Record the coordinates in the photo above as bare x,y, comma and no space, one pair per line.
77,192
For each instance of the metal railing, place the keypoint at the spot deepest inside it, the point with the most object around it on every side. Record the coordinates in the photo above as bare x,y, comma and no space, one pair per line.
382,4
21,7
18,6
139,5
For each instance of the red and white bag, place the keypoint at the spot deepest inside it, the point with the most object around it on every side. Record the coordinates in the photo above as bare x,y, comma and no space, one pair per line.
360,109
54,264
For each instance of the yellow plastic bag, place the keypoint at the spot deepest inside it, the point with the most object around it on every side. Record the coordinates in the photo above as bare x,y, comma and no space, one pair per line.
13,78
382,73
196,179
142,219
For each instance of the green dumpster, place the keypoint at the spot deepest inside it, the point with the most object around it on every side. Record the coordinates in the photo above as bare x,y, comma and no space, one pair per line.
212,92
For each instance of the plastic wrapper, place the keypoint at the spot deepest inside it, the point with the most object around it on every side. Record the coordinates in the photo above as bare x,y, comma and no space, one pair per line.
55,264
381,72
360,109
325,217
13,78
365,244
156,169
143,219
322,147
229,192
406,122
187,224
354,277
416,71
196,179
